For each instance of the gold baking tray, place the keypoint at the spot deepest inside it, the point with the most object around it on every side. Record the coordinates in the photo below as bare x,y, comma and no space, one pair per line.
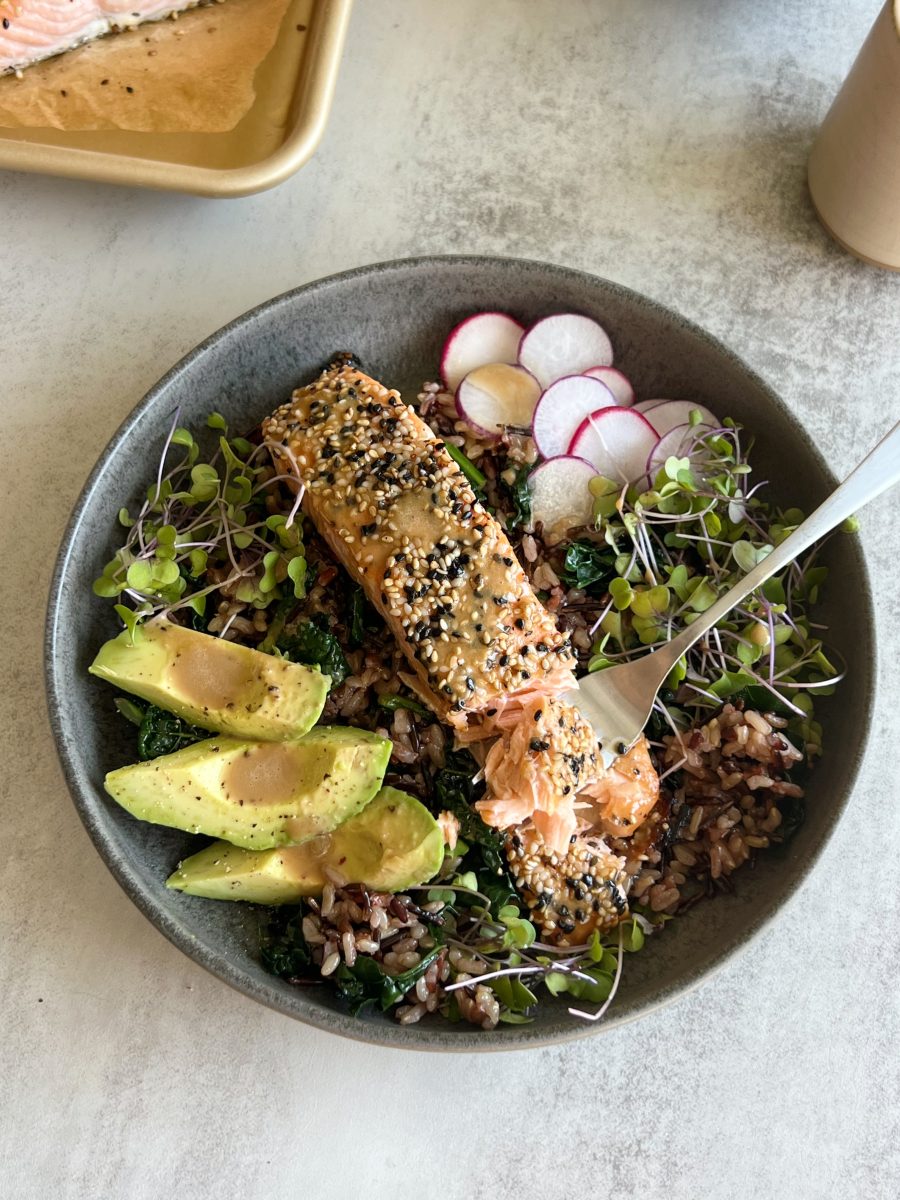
258,153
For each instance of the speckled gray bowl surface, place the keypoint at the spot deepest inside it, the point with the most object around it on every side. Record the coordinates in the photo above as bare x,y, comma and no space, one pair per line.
395,317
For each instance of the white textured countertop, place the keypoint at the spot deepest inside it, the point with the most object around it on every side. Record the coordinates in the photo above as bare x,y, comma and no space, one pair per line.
662,145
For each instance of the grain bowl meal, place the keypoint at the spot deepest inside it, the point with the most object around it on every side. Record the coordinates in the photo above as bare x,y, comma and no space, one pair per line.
347,637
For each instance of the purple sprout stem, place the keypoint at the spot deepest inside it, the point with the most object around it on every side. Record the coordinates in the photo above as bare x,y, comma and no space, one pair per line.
577,1012
596,625
770,617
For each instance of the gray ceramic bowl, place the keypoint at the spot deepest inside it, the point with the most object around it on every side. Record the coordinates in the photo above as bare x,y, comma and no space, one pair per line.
395,317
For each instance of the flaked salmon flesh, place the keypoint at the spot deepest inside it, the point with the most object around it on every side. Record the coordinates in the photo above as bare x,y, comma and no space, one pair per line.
488,658
31,30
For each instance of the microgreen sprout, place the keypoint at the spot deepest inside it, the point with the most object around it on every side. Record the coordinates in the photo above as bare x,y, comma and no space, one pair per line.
681,543
204,527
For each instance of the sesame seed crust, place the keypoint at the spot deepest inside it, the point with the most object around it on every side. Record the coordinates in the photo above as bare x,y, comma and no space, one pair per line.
403,519
569,895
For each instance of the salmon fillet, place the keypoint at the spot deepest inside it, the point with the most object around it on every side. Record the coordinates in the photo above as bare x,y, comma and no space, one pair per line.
401,516
488,658
31,30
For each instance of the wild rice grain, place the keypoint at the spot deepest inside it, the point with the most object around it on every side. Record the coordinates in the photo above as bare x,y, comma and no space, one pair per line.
759,723
349,947
330,964
311,932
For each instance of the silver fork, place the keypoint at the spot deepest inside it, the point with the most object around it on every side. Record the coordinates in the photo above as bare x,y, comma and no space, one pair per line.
619,700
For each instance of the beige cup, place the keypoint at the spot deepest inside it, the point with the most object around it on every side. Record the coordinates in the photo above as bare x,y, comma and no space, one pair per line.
854,167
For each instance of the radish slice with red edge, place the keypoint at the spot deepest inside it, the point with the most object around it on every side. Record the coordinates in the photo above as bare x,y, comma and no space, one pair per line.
489,337
564,344
678,412
562,408
617,442
677,442
494,397
560,497
617,383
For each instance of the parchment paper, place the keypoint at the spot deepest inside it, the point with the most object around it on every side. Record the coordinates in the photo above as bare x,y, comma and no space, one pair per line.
193,75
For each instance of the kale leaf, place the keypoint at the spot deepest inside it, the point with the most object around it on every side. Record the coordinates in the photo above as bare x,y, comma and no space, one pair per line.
283,948
161,732
312,644
392,703
475,477
355,625
455,792
587,564
367,985
519,493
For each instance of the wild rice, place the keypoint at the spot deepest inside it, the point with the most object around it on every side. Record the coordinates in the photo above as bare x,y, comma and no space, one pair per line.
722,806
391,929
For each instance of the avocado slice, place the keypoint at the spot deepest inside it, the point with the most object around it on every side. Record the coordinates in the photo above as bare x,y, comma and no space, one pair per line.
394,843
212,683
257,794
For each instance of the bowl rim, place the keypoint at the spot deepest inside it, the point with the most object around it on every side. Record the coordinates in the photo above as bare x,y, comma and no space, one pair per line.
390,1035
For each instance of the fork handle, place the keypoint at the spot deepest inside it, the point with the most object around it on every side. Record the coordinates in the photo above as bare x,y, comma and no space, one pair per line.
879,470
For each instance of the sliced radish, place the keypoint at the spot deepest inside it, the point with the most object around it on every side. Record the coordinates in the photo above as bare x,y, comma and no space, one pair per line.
676,442
644,406
564,344
493,397
490,337
617,383
666,416
562,408
617,442
560,498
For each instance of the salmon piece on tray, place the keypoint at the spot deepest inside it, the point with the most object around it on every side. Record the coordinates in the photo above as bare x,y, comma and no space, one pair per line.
487,657
31,30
